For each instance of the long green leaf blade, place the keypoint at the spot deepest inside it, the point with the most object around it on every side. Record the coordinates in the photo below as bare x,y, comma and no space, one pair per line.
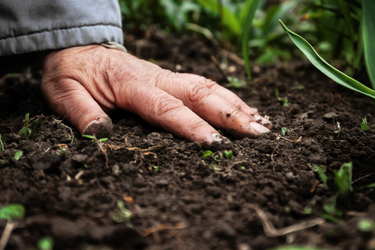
245,35
368,23
229,19
325,67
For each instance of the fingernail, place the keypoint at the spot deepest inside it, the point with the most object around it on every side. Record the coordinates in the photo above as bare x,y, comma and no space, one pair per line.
261,120
254,109
259,128
100,128
217,137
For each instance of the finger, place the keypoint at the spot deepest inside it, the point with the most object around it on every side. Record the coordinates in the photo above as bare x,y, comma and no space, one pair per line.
228,96
68,98
161,109
210,106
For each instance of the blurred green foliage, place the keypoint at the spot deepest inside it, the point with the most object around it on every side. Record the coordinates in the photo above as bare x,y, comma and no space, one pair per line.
333,27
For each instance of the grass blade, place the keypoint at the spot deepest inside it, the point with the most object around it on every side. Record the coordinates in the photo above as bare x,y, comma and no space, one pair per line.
230,20
368,24
325,67
245,35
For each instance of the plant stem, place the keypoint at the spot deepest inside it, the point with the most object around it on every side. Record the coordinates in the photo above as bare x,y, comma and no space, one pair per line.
6,234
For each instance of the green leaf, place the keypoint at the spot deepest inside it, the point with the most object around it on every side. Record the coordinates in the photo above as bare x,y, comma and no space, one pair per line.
235,82
368,25
229,19
326,68
18,155
343,178
89,137
372,185
207,153
11,212
364,125
45,243
321,173
245,35
228,154
103,139
348,19
26,118
1,144
365,225
284,130
330,217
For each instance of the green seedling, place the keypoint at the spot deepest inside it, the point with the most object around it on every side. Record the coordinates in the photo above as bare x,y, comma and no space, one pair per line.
123,215
366,225
86,166
28,125
228,154
235,83
364,125
156,168
283,100
284,130
93,138
1,144
207,153
11,212
45,243
299,87
18,155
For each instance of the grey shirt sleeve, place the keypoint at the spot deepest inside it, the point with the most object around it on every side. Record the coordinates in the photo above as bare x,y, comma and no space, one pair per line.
36,25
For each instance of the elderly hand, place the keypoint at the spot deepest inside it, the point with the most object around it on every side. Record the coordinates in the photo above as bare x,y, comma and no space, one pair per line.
83,83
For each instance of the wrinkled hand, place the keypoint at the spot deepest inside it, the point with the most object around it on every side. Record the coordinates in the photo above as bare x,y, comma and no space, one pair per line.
82,83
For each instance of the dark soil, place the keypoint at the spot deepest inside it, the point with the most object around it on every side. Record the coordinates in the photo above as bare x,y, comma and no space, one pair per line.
191,202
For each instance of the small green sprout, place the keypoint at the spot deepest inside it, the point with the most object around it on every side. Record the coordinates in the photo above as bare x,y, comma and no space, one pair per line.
228,154
123,215
28,126
235,82
364,125
18,155
93,138
243,168
284,130
86,166
156,168
207,153
299,87
1,144
366,225
287,209
11,212
45,243
284,100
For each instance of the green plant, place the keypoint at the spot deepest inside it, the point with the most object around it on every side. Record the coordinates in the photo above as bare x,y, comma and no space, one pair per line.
325,67
284,130
18,155
1,144
228,154
283,100
45,243
123,214
364,125
93,138
156,168
29,125
207,153
366,225
11,212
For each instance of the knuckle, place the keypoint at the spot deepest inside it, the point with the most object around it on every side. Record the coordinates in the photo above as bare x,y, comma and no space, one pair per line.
167,106
197,93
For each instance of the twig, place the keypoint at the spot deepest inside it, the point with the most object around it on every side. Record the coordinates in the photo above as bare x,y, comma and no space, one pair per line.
271,231
163,227
363,177
6,234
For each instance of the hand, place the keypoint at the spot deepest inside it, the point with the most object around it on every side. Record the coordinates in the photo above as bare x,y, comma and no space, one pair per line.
83,83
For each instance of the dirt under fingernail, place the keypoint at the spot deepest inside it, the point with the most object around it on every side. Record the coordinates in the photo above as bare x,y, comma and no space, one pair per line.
100,128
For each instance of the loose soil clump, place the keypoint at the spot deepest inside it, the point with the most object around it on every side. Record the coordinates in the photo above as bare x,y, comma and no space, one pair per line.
71,186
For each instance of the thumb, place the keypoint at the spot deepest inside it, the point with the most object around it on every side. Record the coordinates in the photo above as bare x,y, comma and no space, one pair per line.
68,98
